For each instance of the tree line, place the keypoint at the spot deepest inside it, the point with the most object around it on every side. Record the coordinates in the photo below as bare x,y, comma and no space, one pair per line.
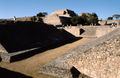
85,19
39,16
116,16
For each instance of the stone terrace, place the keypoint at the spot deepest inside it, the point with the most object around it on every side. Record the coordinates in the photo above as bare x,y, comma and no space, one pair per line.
96,58
25,37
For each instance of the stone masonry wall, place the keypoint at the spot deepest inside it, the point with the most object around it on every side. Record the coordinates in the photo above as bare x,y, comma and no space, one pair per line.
101,61
103,22
2,49
24,19
89,31
64,13
53,20
73,30
102,30
97,58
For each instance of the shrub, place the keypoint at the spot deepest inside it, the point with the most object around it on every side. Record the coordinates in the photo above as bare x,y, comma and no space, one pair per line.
42,14
110,18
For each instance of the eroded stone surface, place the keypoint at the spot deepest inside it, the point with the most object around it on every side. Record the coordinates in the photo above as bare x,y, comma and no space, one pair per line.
102,61
2,49
97,58
64,12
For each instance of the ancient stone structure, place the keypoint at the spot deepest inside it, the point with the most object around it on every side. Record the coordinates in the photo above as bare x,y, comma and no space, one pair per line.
107,22
57,20
10,39
60,17
2,49
95,31
21,39
29,18
89,31
64,13
97,58
23,18
73,30
53,19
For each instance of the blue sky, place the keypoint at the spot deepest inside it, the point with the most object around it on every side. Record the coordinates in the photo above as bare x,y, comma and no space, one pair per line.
21,8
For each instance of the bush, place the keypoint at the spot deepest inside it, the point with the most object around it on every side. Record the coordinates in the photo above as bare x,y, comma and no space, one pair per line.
93,19
75,20
42,14
110,18
85,19
34,18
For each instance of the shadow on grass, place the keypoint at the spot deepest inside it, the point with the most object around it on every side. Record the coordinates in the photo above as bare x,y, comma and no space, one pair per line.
4,73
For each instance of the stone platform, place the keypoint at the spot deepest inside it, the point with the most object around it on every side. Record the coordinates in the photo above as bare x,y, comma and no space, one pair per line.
61,67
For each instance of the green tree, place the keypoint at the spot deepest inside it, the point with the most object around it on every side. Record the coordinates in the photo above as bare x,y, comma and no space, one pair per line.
85,19
77,20
110,18
93,19
42,14
34,18
117,16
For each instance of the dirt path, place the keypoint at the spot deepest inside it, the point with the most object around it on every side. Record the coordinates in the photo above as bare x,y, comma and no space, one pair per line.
31,65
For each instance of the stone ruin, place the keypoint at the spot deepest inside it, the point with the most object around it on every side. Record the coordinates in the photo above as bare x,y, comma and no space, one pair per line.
26,18
97,58
2,49
21,18
60,17
9,37
109,22
54,20
88,31
20,40
64,13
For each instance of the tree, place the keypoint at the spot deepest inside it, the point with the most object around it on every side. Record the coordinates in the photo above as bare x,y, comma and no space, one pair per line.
85,19
34,18
77,20
90,18
42,14
110,18
117,16
94,18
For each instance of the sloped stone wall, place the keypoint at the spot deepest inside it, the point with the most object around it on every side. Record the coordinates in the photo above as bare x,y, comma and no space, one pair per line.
2,49
103,22
24,19
53,20
101,61
104,64
64,12
20,37
73,30
89,31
